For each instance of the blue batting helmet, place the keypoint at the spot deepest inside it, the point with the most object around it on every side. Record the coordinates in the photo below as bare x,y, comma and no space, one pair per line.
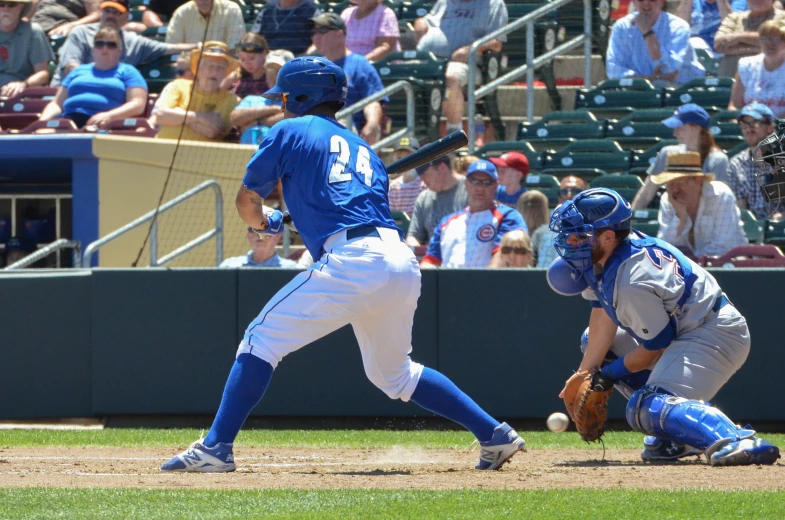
594,210
306,82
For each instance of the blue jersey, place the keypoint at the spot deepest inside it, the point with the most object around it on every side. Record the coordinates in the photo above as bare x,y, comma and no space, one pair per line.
332,179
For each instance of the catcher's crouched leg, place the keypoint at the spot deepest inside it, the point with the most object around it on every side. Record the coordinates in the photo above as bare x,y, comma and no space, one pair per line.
622,344
685,421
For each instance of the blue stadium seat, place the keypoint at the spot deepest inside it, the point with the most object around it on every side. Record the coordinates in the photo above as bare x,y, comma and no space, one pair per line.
563,124
642,123
501,147
636,93
590,153
626,185
706,92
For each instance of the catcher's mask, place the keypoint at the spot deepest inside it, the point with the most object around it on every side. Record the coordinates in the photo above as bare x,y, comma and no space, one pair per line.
588,213
771,151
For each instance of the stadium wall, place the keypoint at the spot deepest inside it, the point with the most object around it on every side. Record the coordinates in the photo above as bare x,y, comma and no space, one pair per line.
161,342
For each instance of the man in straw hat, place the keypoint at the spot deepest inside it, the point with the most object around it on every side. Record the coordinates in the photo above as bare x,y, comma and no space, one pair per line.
206,109
25,52
697,213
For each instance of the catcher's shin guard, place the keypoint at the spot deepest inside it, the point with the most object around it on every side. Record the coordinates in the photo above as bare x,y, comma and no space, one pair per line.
686,421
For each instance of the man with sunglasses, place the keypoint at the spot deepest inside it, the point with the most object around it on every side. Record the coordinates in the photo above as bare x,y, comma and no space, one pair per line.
472,237
76,49
756,121
25,52
206,20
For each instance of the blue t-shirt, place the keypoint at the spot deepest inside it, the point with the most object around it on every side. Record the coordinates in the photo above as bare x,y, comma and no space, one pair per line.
363,82
91,90
705,19
255,133
507,199
332,180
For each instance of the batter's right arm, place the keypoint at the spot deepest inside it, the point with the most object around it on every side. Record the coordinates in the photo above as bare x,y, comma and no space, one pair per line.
250,208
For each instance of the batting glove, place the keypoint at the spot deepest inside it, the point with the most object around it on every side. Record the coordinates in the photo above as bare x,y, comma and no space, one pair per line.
274,222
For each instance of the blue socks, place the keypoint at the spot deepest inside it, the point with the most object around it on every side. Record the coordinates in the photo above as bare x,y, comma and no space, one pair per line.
439,395
245,387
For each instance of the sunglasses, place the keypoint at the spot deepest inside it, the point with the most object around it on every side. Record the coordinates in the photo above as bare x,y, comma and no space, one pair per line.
481,182
323,30
568,192
100,44
506,250
753,124
251,47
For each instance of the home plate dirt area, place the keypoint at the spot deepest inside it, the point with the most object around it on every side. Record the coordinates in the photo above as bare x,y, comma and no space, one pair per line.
396,468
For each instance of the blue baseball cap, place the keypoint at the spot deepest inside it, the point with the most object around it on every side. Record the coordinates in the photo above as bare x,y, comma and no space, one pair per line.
689,114
757,111
483,166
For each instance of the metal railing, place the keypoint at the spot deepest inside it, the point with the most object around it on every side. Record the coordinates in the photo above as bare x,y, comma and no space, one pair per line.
216,232
391,89
57,245
532,63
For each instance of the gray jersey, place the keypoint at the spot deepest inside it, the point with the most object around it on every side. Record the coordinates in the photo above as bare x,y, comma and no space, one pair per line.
455,23
431,207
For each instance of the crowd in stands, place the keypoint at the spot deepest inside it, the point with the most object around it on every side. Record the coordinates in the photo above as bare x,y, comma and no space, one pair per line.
222,70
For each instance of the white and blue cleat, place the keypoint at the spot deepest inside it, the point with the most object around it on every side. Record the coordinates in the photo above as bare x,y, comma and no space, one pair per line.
504,443
745,452
656,449
198,458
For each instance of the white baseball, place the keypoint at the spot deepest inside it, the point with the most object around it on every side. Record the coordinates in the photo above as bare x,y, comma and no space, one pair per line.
557,422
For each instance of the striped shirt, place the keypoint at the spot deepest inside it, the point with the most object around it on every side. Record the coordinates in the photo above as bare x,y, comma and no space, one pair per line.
741,179
404,194
717,227
466,239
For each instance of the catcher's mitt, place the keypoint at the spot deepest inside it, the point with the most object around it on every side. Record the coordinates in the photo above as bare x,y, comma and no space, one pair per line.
586,399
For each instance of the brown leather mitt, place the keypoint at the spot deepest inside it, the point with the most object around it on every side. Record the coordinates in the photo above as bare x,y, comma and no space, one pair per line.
586,400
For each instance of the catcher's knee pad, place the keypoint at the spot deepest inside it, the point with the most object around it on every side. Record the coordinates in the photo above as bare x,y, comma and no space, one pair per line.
686,421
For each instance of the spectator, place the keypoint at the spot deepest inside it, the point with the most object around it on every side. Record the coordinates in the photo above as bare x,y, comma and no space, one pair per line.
757,122
513,167
405,189
57,17
262,253
705,17
690,124
201,20
761,78
329,38
462,162
95,94
202,106
738,34
569,187
448,31
159,10
516,250
25,52
371,29
256,114
77,49
285,24
471,237
251,77
652,44
446,194
17,248
183,66
533,206
697,214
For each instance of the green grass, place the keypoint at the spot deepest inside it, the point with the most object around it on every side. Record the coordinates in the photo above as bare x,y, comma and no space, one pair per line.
343,439
474,504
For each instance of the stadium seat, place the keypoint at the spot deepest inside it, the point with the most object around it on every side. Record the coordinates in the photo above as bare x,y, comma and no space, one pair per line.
646,158
609,113
636,93
425,72
642,123
135,126
574,124
725,123
626,185
159,72
645,221
774,233
590,153
156,33
402,220
587,174
709,62
151,99
756,255
500,147
417,9
753,227
706,92
30,100
53,126
637,144
547,184
9,122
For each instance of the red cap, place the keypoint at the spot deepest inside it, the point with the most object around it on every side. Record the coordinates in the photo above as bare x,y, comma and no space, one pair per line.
512,160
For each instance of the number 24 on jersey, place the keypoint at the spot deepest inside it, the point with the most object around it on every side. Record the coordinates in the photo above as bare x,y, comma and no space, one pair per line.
362,164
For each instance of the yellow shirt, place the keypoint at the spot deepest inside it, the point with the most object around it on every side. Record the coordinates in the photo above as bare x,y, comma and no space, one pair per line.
226,24
177,94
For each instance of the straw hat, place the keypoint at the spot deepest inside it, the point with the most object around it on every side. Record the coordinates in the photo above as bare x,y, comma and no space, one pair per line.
214,49
682,164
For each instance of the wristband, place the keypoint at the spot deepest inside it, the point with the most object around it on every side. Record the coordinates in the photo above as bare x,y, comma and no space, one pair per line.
646,35
615,370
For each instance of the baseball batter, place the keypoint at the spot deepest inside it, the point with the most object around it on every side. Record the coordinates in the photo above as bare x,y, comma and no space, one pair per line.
654,309
335,187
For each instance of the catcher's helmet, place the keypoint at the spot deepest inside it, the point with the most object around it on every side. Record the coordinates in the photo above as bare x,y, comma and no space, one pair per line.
597,209
306,82
772,152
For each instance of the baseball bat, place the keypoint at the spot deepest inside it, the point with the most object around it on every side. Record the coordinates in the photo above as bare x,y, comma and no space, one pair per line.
429,152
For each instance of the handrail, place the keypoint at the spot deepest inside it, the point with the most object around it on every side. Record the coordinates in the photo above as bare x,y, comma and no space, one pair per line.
152,215
390,89
46,251
531,63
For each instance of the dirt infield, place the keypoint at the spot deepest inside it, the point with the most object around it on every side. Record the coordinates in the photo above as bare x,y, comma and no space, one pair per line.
397,468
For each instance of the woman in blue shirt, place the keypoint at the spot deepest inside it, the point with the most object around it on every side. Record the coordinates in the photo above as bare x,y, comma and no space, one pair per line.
105,90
